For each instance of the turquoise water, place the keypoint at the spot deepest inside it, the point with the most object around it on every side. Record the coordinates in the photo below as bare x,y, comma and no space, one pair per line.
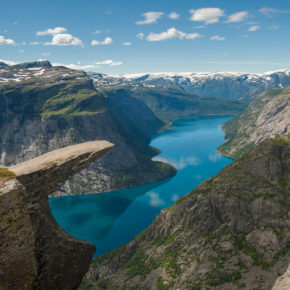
112,219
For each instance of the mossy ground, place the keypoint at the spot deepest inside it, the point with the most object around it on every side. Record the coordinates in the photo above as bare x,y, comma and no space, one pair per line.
5,175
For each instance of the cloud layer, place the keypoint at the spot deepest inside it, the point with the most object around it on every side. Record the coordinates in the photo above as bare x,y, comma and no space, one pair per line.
4,40
150,18
171,33
207,15
106,41
238,17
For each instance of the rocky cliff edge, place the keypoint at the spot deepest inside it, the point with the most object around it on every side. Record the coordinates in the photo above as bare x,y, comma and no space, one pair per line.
35,253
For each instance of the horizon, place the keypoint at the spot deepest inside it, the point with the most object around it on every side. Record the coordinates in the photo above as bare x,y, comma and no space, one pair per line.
9,63
125,37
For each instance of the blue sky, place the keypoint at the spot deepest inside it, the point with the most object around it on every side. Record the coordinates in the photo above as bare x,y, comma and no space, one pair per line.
122,36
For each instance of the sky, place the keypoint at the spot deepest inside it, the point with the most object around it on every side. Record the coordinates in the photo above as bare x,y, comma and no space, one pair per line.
134,36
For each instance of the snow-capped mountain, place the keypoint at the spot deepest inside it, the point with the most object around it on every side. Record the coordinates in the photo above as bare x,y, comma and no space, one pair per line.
233,85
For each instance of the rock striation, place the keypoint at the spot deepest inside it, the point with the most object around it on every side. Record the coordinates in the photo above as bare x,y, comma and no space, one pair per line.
231,232
35,253
266,117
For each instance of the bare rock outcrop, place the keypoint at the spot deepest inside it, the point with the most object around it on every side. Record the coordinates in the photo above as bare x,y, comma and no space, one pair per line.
35,253
266,117
283,282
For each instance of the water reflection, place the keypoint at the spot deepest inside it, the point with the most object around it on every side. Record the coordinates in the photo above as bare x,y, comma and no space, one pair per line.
97,212
112,219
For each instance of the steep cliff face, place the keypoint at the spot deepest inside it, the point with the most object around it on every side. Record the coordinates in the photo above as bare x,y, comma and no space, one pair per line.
35,253
43,108
231,232
267,116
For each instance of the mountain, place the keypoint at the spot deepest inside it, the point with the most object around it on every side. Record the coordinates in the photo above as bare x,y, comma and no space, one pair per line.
43,108
268,115
224,85
231,232
170,102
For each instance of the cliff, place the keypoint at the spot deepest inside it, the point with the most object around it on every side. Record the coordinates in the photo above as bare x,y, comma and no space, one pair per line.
43,108
35,253
231,232
266,117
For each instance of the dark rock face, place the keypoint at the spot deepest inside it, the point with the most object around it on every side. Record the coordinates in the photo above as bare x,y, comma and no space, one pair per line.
35,253
231,232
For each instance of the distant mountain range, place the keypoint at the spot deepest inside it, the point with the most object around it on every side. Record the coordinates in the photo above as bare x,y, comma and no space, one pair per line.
229,85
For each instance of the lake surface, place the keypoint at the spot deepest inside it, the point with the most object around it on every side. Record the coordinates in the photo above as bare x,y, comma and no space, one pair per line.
112,219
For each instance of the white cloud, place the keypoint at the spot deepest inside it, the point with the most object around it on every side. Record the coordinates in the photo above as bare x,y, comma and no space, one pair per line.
140,35
254,28
171,33
109,62
214,157
45,54
116,63
51,31
75,66
106,41
127,43
238,17
9,62
150,17
64,39
4,40
97,32
155,200
217,37
173,15
207,15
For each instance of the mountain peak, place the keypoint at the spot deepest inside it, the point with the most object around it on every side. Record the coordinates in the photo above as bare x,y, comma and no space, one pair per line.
40,63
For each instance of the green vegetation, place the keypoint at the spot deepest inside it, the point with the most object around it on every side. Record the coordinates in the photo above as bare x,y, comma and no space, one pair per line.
71,100
140,264
216,280
5,173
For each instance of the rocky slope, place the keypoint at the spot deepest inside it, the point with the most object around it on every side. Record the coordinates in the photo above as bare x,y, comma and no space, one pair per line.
267,116
229,85
43,108
283,282
231,232
35,253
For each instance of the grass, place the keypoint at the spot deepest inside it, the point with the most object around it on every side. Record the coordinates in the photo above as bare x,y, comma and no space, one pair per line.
5,175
